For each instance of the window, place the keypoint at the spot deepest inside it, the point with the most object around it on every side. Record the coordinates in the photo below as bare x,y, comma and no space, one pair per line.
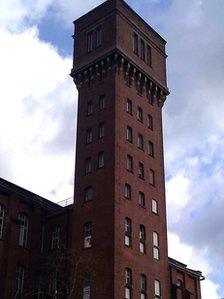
99,36
142,50
140,142
135,43
88,193
151,149
127,191
2,215
102,102
141,199
101,160
89,41
128,283
150,122
41,238
154,206
151,177
89,108
156,245
140,114
157,289
129,134
129,106
141,172
86,286
149,55
87,231
142,238
53,283
23,230
129,163
89,136
39,283
55,237
101,130
88,165
127,238
19,280
143,286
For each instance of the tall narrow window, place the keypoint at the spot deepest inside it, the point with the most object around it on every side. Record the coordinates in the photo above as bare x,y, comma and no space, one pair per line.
55,237
39,284
154,206
142,238
149,55
128,230
152,177
128,283
127,191
42,229
89,41
151,149
141,171
23,230
140,114
89,136
101,160
89,108
143,286
157,289
88,193
129,163
87,231
150,122
19,280
129,134
2,215
129,106
102,102
101,130
142,50
141,199
99,36
86,287
156,245
140,142
53,283
135,43
88,165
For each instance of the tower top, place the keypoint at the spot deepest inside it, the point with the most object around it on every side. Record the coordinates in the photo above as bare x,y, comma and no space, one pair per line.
121,6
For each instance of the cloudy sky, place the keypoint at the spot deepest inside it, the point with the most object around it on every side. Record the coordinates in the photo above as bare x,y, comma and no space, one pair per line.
38,114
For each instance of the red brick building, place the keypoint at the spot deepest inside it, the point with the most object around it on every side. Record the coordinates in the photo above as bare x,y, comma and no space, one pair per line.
117,225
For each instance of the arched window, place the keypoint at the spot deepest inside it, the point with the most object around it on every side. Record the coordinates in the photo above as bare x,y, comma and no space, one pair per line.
23,230
19,280
2,215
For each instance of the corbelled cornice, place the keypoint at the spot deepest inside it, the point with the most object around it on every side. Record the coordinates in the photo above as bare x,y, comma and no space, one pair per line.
116,61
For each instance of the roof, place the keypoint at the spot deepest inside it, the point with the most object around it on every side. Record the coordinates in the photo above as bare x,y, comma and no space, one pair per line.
183,267
10,188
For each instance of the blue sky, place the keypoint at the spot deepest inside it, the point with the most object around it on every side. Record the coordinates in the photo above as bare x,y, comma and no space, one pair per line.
39,103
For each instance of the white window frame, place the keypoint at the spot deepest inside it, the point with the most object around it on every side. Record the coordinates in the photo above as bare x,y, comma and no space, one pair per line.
23,229
157,289
55,237
155,241
127,191
155,206
86,292
128,232
19,280
142,238
143,286
87,233
128,283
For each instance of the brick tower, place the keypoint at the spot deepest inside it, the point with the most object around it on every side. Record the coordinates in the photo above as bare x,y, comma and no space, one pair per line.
120,212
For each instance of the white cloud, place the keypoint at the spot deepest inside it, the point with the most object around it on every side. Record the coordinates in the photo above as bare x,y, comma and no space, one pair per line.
37,108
